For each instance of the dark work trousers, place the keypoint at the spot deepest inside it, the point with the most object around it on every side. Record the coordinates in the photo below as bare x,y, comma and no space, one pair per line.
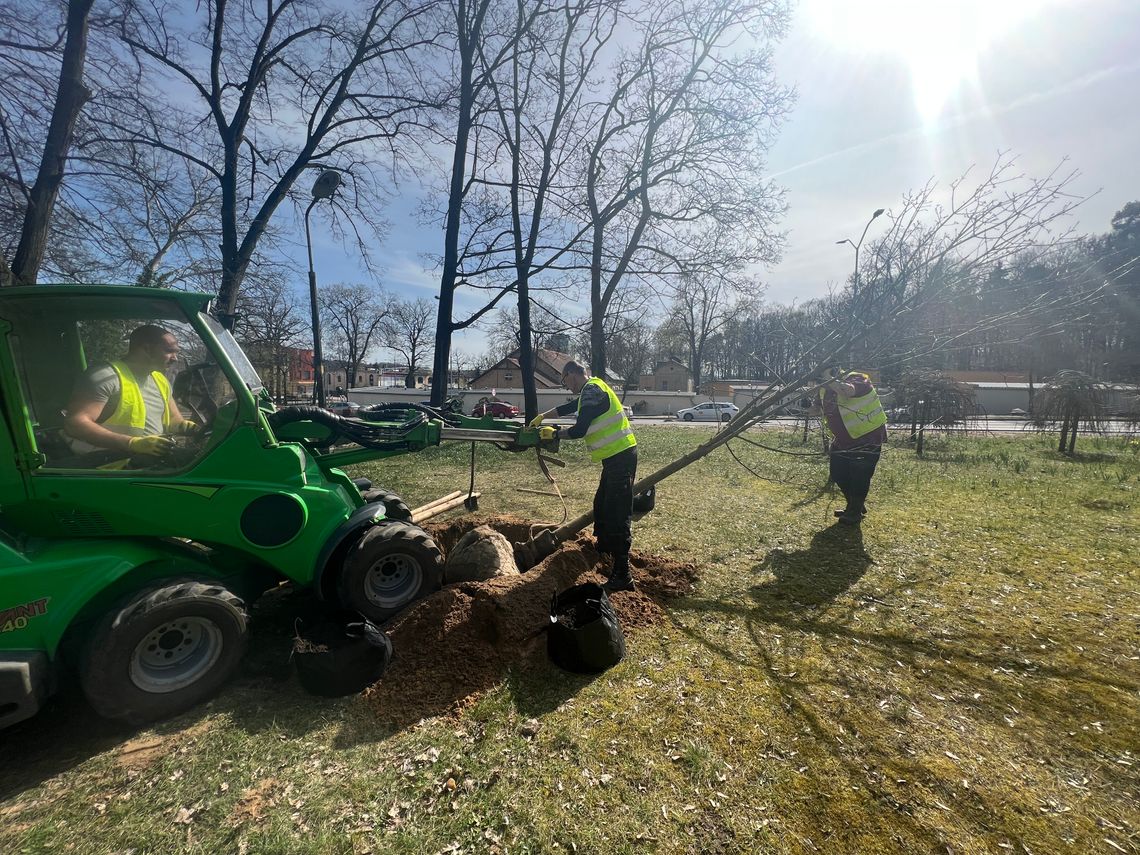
851,470
613,504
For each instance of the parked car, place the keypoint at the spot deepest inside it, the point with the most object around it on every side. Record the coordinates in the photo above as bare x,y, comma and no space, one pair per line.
898,415
708,411
497,409
1017,411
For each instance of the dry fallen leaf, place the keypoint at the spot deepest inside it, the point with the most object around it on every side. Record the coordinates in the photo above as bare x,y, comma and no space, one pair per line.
186,815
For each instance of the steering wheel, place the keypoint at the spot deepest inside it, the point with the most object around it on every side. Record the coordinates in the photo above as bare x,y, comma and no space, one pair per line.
192,390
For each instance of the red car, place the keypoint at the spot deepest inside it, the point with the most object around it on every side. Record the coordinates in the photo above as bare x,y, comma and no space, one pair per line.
497,409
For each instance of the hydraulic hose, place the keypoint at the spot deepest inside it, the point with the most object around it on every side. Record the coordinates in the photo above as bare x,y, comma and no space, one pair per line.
442,415
367,434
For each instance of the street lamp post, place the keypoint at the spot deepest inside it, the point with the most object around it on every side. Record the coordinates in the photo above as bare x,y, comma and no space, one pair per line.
855,285
323,188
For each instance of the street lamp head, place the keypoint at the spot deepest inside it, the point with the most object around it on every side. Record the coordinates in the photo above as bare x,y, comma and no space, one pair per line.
325,185
877,212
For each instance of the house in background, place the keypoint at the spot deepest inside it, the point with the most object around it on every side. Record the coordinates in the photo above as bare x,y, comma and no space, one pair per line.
367,374
668,375
507,374
286,372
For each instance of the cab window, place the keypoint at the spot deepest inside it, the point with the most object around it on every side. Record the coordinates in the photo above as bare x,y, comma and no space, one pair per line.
70,353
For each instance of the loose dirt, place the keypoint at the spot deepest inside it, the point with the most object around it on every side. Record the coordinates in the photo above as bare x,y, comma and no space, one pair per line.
256,803
461,641
143,751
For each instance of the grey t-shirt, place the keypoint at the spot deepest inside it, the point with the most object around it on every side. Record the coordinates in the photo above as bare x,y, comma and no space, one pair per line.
102,384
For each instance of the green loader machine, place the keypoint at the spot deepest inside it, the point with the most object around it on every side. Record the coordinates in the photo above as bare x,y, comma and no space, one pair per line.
136,575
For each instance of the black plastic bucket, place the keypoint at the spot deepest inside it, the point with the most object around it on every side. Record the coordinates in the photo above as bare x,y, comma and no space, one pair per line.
584,635
334,660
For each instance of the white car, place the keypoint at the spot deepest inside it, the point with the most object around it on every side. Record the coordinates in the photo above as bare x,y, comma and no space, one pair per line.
709,412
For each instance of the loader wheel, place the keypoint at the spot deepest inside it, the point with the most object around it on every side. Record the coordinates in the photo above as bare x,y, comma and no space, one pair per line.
394,507
169,648
392,565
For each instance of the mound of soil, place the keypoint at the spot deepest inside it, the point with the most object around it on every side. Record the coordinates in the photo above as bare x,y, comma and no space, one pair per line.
460,641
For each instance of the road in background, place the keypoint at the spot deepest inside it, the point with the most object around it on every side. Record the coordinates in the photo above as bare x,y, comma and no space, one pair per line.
991,424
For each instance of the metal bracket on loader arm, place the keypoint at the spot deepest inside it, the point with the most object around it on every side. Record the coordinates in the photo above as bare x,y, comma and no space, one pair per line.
520,439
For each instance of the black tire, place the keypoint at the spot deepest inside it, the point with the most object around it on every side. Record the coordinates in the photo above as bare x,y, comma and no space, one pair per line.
394,507
170,647
391,566
725,417
688,417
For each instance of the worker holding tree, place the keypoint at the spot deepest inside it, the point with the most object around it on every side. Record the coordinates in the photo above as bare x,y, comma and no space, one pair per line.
854,415
126,405
602,422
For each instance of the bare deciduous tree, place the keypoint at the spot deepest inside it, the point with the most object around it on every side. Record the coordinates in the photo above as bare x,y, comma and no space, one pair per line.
352,318
70,94
698,311
931,250
408,330
673,174
272,327
482,41
282,87
537,102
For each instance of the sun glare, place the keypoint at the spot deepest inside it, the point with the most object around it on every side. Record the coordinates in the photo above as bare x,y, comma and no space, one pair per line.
939,40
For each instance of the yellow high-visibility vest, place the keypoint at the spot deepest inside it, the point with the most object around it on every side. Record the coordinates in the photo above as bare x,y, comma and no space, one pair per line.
131,410
860,415
610,433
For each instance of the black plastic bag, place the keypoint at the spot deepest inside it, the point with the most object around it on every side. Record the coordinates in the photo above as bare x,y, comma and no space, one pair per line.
584,635
334,660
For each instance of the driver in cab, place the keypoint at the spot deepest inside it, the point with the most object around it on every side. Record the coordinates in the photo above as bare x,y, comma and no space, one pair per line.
126,406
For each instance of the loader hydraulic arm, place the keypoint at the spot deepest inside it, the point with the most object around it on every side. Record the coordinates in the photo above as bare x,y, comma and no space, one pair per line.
393,430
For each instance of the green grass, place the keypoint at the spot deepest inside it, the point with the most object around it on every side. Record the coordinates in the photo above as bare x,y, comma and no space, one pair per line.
961,675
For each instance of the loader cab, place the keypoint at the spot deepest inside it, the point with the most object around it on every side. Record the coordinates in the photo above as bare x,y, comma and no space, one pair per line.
58,343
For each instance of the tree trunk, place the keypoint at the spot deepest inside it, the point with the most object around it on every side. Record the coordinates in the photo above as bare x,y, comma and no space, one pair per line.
468,41
1073,435
526,352
922,428
597,308
1064,433
70,97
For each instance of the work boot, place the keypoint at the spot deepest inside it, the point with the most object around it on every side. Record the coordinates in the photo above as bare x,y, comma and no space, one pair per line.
846,512
620,578
848,518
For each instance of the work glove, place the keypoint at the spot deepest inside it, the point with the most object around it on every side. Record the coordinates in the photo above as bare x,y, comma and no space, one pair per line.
150,446
545,434
186,427
536,421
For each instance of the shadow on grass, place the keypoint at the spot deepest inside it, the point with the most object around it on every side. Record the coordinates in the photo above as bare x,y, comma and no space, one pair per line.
833,562
264,696
856,684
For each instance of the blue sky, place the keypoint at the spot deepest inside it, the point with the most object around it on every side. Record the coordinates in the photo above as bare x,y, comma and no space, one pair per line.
892,93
